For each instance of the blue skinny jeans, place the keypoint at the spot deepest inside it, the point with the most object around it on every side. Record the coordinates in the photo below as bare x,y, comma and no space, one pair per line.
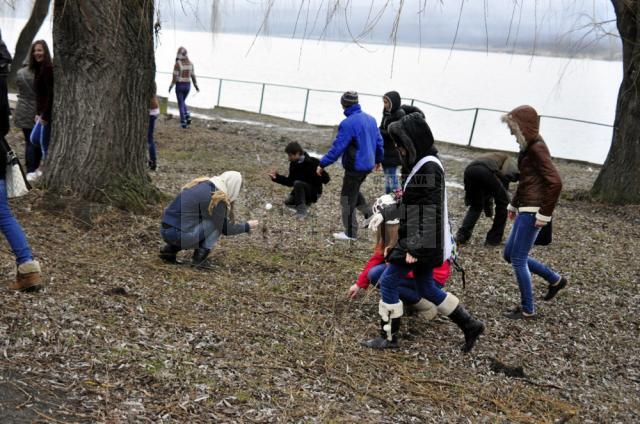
12,230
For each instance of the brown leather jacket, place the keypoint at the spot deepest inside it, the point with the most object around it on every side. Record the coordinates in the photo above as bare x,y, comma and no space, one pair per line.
540,183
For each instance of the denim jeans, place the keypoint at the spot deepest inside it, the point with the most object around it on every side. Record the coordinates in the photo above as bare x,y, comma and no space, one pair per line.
392,278
204,235
150,141
12,230
391,179
351,199
182,91
32,153
406,286
516,252
40,136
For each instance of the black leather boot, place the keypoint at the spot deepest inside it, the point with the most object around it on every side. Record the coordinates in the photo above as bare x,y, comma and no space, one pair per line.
200,258
472,328
382,342
168,254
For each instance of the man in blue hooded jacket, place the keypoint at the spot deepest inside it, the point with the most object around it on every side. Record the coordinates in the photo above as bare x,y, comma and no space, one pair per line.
360,144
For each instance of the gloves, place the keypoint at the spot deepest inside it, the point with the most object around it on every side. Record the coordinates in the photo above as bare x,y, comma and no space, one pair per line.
375,221
197,88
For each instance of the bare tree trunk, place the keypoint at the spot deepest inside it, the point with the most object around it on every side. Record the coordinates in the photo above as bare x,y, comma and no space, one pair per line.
104,72
619,179
28,33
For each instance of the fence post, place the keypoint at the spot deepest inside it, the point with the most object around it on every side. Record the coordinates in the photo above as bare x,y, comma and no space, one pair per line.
261,98
219,92
412,100
473,127
306,103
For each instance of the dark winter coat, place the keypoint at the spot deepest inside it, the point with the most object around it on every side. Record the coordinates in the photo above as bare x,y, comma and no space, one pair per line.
421,211
5,63
44,91
391,155
191,207
501,164
305,171
358,142
540,183
26,108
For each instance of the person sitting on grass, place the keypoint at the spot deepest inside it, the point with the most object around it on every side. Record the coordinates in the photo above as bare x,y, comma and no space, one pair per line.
386,239
306,183
199,215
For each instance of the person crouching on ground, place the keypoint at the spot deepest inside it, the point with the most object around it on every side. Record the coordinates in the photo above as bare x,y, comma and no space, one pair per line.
386,239
306,183
424,239
531,207
199,215
486,180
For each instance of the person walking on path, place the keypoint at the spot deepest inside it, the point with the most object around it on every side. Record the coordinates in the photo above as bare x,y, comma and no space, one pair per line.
531,207
199,215
391,112
360,144
42,64
25,111
154,111
28,277
183,74
486,180
307,185
424,239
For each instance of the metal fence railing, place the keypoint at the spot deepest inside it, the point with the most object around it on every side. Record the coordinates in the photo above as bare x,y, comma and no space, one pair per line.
255,101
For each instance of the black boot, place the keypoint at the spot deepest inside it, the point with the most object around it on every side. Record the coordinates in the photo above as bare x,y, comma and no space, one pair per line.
152,165
382,342
168,254
200,258
472,328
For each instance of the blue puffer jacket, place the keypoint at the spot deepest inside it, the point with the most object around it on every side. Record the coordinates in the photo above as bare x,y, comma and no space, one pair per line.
358,142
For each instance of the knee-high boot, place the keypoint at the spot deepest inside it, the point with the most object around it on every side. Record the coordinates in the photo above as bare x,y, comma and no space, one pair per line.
471,327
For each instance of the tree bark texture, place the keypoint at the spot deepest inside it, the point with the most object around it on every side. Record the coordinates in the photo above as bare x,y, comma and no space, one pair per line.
38,15
619,179
104,71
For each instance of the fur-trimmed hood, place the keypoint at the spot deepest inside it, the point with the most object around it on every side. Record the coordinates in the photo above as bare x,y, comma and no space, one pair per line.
524,122
414,135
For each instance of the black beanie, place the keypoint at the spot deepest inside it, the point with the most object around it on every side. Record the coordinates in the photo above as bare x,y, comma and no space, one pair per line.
349,99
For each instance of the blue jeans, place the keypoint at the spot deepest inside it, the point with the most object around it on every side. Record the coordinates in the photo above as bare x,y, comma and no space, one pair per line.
150,141
516,252
392,279
182,91
40,137
32,153
391,179
12,230
406,286
204,235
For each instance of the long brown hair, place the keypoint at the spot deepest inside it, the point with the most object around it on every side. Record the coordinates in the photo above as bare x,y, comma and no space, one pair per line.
387,236
47,55
216,197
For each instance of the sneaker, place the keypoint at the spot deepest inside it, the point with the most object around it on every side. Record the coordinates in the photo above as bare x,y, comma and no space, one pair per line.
518,313
555,288
38,172
301,215
343,236
32,176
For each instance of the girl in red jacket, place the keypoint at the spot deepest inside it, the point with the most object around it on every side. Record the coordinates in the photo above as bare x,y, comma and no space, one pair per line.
386,238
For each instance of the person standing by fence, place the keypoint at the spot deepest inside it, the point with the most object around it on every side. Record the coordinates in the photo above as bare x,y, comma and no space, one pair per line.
154,111
531,207
360,144
183,74
28,277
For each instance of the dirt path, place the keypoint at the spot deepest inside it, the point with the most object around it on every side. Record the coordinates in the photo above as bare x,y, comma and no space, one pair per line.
269,336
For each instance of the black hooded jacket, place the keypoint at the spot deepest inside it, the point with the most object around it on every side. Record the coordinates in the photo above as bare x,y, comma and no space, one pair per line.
421,211
305,171
5,64
391,155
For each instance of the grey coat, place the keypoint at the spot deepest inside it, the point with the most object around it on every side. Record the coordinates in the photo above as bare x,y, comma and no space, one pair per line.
26,108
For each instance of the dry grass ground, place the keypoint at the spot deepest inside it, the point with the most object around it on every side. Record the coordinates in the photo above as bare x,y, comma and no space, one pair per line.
118,336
